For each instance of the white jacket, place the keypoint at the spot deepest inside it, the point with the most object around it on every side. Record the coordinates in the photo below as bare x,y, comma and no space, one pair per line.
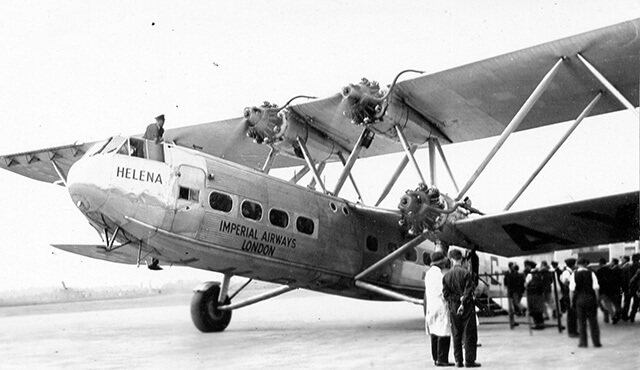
437,320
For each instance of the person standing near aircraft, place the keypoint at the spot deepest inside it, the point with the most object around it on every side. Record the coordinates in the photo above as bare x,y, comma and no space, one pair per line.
514,281
628,271
437,323
609,290
549,302
534,282
634,286
155,130
584,287
458,290
565,278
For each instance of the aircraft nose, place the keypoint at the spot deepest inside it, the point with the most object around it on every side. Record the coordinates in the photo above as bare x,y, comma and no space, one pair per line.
87,182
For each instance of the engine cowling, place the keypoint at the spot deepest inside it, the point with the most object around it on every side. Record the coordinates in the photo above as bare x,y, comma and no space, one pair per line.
281,128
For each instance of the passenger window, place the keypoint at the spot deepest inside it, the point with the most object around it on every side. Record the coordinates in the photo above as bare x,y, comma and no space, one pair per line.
305,225
372,243
251,210
411,255
279,218
189,194
220,202
426,258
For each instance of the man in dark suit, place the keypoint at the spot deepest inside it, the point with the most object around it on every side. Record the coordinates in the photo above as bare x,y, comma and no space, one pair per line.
584,287
457,289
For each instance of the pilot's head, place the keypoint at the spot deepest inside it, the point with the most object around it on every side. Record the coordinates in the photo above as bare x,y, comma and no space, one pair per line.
160,120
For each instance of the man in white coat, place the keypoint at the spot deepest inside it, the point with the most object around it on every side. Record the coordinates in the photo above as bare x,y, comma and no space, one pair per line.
437,322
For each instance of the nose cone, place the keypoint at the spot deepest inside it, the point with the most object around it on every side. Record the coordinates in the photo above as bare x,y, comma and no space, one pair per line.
87,182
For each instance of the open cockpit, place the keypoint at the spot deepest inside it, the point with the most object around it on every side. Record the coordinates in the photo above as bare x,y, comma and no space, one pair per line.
129,146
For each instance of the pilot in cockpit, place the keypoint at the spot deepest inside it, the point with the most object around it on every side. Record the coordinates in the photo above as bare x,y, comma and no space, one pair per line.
155,131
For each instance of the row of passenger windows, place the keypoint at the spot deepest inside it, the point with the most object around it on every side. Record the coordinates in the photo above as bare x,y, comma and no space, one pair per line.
409,255
253,211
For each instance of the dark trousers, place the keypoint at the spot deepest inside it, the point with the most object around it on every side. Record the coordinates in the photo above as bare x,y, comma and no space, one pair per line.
572,320
464,329
440,348
515,301
588,312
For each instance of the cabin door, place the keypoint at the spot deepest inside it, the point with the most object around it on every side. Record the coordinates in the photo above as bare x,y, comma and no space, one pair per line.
190,197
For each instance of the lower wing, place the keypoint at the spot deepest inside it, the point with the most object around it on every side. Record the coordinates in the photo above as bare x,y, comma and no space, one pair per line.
606,220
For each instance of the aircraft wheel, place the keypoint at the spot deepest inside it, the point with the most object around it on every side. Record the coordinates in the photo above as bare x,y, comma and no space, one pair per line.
204,311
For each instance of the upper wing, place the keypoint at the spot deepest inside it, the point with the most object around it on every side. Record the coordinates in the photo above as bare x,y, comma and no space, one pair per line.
606,220
469,102
48,165
479,100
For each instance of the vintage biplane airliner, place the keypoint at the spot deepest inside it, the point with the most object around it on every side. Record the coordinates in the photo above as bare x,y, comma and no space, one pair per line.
204,198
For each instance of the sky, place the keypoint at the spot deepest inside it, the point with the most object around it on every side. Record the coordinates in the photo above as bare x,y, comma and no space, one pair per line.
86,70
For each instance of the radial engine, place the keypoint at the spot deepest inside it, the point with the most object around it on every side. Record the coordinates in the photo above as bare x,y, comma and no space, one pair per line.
282,127
426,209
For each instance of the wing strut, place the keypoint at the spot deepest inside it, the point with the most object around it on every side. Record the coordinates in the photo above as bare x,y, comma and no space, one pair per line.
297,176
353,182
582,115
311,165
269,162
312,183
446,163
390,257
432,162
515,122
396,175
407,150
608,85
63,178
355,153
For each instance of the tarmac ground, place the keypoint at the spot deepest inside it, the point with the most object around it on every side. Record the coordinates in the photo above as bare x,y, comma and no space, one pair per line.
299,330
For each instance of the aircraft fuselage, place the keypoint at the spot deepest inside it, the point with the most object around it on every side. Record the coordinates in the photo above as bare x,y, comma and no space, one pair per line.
187,208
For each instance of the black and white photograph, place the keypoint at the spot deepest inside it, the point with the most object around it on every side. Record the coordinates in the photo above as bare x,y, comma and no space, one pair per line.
319,184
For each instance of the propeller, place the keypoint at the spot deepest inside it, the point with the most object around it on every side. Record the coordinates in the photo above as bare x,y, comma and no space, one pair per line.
255,125
238,135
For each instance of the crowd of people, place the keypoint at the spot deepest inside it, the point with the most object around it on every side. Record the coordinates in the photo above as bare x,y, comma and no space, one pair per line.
613,287
576,290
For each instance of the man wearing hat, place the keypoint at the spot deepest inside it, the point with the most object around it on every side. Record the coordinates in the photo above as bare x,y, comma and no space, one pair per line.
457,288
572,321
155,131
437,322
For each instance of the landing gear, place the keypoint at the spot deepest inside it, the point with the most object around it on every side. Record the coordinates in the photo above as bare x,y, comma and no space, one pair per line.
204,310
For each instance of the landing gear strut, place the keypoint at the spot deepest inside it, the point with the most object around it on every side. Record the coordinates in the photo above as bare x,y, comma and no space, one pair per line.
204,310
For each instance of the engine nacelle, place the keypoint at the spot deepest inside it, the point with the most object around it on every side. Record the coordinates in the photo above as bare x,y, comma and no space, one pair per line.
264,123
425,209
281,128
364,102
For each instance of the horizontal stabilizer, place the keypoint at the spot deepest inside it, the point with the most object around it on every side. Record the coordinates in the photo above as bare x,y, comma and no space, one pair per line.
48,165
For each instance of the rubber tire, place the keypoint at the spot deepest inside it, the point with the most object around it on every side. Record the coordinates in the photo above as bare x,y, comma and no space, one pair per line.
204,311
